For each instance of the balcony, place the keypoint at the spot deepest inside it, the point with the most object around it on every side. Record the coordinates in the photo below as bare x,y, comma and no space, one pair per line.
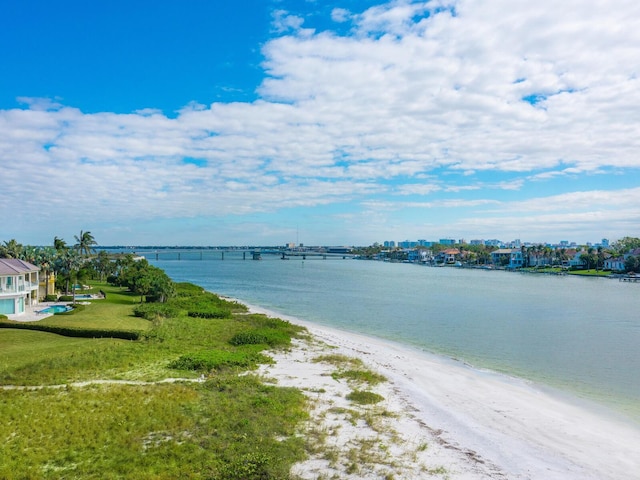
23,287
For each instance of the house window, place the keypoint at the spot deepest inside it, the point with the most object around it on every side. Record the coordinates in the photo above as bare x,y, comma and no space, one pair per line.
7,306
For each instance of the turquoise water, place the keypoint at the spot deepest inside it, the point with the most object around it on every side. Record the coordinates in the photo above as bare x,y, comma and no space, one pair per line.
579,335
56,309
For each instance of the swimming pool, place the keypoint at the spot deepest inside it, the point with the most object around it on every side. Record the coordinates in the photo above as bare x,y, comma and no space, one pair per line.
84,296
56,309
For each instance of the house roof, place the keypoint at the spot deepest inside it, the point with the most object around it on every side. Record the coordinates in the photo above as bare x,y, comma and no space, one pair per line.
13,266
504,251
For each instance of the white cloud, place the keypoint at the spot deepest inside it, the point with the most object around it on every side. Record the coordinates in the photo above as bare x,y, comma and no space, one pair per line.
283,21
421,89
340,15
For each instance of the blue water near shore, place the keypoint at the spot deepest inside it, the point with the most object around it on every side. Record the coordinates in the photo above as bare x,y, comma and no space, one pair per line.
577,335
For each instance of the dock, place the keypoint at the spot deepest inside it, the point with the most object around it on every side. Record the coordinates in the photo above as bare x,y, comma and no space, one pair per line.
630,279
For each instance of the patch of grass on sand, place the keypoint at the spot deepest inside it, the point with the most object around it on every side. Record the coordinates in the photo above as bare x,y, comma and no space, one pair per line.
364,397
350,368
359,376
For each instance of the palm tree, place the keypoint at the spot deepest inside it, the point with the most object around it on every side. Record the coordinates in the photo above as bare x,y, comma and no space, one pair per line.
68,265
84,243
11,249
103,265
29,254
45,260
59,244
525,256
600,258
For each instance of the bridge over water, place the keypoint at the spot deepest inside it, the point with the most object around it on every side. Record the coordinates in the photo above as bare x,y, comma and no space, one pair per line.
210,254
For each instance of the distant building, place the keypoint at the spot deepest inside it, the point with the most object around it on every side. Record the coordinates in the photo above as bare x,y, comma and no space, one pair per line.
614,263
447,241
509,257
407,244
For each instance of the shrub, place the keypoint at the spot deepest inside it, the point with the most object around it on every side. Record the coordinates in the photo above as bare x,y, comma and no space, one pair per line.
195,298
73,331
51,298
151,311
261,336
251,466
66,298
218,359
210,313
364,397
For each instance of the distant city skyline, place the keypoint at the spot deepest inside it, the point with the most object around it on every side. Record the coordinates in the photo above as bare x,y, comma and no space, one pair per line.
604,242
352,121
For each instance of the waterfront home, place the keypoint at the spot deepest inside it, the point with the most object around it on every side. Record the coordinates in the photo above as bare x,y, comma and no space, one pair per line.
448,256
19,282
509,257
414,256
577,261
615,264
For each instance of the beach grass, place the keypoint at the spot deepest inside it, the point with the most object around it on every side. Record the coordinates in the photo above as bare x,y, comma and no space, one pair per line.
225,427
213,430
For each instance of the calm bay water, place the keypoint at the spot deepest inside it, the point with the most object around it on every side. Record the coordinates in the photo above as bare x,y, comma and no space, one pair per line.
578,335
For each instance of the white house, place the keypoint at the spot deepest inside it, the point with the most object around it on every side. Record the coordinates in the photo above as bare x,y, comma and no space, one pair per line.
513,255
19,283
614,263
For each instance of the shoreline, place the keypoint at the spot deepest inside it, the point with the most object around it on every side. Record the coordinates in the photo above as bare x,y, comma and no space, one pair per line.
488,425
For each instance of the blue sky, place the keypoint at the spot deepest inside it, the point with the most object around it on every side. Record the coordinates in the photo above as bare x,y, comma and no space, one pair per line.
347,122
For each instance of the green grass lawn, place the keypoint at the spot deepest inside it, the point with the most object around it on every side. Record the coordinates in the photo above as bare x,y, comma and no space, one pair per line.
590,273
114,312
41,346
229,427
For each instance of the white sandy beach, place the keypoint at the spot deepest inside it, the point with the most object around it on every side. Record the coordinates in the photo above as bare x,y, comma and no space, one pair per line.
443,419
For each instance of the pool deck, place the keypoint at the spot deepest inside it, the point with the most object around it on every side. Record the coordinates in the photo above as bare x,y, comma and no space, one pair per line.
31,313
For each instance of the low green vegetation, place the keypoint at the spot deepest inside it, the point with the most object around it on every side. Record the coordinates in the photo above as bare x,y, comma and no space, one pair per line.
359,376
350,369
364,397
210,360
214,424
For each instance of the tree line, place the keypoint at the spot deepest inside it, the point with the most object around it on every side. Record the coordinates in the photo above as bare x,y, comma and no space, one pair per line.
77,263
480,254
